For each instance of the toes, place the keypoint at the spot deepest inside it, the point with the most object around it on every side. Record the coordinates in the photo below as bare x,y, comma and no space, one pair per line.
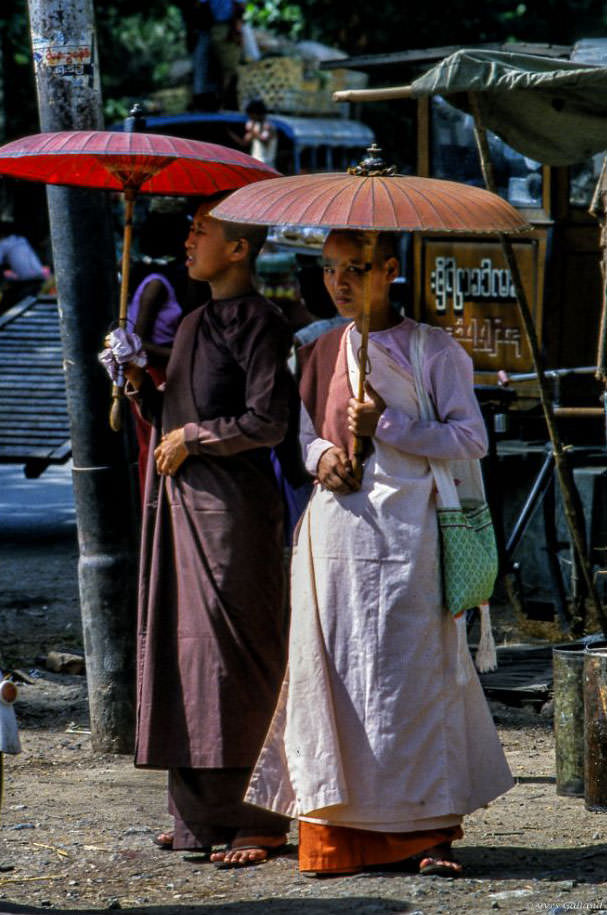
239,856
445,867
245,856
164,840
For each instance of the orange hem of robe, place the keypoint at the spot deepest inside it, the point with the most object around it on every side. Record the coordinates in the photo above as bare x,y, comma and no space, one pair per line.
326,849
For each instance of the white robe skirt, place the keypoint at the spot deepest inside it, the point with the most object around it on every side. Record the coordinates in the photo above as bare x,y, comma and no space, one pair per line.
372,730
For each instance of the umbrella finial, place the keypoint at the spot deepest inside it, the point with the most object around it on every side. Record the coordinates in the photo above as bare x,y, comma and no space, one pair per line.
135,122
372,165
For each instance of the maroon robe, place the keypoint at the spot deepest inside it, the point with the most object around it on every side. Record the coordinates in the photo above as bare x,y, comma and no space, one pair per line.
212,619
325,387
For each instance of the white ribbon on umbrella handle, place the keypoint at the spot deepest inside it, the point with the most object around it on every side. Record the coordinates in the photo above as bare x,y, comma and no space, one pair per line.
118,386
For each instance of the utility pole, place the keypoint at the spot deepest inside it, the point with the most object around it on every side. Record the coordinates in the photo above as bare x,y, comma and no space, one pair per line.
69,98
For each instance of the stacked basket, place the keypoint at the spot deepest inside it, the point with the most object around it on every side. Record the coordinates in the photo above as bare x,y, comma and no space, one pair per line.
289,85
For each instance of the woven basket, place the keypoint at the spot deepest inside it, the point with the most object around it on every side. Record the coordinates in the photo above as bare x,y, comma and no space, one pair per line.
276,80
286,84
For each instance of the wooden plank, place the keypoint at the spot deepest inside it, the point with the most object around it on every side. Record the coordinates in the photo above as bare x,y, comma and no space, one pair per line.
14,408
46,399
524,674
21,445
41,436
394,59
26,425
22,456
28,382
34,423
62,452
16,396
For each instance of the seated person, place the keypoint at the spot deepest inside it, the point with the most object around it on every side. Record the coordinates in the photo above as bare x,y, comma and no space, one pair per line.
23,273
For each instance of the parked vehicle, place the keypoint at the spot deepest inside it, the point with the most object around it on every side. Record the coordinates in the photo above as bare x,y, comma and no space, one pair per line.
304,143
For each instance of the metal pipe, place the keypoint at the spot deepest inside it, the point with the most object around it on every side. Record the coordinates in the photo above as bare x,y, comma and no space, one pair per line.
540,484
554,373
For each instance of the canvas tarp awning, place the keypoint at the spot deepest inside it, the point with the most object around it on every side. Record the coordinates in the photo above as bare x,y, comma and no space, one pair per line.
554,111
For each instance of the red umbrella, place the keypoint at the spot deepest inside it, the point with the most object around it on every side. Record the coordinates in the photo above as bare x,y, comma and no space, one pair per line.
374,199
132,163
142,162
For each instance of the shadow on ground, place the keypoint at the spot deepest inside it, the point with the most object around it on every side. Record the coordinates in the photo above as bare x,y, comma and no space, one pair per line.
584,864
332,906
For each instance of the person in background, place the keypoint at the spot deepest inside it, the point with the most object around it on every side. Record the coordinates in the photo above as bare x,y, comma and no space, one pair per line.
377,744
153,314
23,273
260,133
212,614
160,296
213,34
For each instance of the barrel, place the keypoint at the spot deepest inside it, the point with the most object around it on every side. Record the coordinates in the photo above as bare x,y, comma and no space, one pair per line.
568,684
595,727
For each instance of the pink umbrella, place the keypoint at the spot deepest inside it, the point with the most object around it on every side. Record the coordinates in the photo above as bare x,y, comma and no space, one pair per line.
372,198
133,163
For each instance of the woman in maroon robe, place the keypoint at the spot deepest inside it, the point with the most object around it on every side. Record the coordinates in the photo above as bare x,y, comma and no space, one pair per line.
212,618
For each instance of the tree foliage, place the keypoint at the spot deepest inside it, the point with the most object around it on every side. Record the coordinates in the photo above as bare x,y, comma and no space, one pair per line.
139,39
279,16
136,52
137,43
360,28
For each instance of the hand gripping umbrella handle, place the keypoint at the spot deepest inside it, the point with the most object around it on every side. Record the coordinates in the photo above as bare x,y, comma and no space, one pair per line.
368,256
118,386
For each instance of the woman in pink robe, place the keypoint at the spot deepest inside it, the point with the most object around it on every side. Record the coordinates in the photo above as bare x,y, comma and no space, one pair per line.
376,746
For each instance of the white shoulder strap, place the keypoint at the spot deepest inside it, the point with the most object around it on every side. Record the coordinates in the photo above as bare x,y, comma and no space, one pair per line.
470,489
447,491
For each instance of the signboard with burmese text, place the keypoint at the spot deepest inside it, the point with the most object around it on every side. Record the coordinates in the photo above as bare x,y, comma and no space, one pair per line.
467,290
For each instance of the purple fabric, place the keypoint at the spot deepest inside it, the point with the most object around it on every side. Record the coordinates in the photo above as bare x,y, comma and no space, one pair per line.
295,499
167,318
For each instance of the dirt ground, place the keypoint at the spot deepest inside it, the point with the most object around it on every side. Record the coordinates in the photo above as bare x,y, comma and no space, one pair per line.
77,827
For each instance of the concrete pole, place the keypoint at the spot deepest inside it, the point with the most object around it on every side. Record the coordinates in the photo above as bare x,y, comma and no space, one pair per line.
69,98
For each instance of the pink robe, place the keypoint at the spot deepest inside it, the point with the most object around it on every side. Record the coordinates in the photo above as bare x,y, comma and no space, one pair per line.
372,730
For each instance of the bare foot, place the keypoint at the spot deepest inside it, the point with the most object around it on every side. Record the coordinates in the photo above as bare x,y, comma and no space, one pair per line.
438,861
247,850
164,840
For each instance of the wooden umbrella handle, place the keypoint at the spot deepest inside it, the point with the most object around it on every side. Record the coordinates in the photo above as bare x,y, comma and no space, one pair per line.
118,386
368,256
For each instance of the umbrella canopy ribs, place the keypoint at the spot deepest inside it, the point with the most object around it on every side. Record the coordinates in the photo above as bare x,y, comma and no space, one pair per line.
372,198
130,163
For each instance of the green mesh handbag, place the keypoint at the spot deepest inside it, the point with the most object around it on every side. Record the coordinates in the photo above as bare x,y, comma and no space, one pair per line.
469,558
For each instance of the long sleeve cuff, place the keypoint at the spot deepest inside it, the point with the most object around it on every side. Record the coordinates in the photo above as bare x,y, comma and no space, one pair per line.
314,452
